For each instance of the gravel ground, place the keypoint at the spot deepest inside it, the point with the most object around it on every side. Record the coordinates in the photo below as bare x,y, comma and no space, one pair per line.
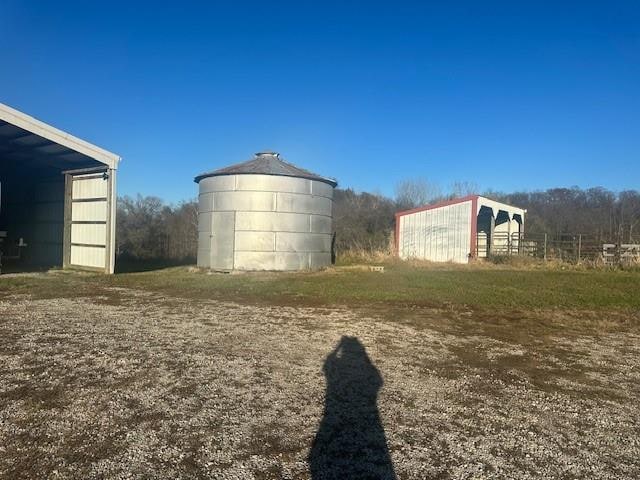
134,385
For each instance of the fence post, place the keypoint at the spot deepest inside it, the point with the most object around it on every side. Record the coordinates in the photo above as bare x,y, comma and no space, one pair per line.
579,246
545,247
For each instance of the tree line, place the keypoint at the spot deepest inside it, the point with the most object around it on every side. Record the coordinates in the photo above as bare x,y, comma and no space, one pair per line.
148,228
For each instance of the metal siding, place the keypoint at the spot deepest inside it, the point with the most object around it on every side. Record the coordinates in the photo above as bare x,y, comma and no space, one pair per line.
205,202
222,240
48,192
273,222
89,188
303,242
401,236
293,261
321,189
93,234
422,222
243,201
293,202
255,260
92,244
33,209
255,241
273,183
89,211
218,184
321,224
204,258
204,222
279,224
204,240
88,256
43,213
440,235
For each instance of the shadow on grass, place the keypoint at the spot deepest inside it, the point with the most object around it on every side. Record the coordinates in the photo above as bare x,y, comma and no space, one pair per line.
351,442
16,266
134,265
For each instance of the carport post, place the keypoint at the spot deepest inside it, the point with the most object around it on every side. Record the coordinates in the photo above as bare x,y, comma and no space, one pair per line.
110,250
66,240
492,230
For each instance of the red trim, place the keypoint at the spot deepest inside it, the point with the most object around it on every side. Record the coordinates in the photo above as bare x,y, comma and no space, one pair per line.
445,203
474,228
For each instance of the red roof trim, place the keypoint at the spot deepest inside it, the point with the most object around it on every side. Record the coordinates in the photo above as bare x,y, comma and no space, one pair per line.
445,203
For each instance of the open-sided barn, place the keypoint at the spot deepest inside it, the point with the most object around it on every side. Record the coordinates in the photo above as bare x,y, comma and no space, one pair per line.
57,197
459,229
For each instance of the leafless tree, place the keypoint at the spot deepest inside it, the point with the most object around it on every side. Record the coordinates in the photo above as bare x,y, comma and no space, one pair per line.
147,228
412,193
463,188
150,229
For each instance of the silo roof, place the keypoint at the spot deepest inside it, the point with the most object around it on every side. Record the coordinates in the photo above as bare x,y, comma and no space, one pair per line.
267,163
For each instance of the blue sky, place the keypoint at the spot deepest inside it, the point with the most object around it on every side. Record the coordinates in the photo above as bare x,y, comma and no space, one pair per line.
508,95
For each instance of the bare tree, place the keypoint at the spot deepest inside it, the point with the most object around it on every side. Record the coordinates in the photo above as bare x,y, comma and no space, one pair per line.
415,192
463,188
150,229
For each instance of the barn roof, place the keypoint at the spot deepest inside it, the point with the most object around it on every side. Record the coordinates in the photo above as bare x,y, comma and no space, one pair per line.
267,163
478,199
24,139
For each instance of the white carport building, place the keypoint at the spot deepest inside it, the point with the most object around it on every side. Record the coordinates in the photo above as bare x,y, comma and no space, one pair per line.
57,197
459,229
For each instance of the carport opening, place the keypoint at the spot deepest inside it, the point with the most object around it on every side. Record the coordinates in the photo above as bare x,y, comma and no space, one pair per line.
32,198
498,232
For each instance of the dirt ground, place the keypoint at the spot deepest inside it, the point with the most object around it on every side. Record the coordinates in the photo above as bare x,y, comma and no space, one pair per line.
134,384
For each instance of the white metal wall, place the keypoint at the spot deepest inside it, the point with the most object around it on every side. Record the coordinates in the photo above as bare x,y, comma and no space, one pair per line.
89,222
441,234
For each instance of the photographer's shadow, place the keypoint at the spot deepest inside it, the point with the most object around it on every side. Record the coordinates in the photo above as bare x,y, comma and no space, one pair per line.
350,443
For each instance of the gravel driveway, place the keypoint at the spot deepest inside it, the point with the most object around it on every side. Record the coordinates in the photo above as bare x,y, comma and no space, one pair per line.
130,384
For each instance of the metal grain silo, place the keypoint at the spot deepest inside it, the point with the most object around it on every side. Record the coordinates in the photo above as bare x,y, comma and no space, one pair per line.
264,214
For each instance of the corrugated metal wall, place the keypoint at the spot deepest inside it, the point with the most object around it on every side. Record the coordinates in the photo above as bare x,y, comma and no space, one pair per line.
264,222
440,235
33,210
89,218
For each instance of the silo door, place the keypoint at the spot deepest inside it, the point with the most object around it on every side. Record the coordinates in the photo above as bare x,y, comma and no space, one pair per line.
223,226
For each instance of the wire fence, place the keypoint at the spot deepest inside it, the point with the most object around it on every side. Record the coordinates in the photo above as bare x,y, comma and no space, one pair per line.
572,248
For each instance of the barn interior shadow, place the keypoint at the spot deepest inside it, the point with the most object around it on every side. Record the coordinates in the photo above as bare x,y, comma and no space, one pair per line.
350,442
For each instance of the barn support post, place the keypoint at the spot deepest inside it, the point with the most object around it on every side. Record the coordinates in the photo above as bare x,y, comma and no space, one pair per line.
509,243
66,239
110,250
473,248
492,231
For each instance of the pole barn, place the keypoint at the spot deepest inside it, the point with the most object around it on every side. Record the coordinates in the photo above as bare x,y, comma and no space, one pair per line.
460,229
57,197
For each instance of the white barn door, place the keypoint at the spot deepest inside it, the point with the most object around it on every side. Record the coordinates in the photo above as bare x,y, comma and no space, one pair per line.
89,220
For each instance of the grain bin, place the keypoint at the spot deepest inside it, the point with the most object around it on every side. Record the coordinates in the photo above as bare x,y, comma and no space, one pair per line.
264,214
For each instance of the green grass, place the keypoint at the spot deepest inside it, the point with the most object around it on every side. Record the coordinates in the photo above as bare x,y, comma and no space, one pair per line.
487,287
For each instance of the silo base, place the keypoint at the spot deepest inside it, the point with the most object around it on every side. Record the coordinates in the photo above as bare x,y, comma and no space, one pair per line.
284,261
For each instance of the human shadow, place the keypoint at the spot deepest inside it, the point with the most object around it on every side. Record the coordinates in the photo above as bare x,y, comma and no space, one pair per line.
350,442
